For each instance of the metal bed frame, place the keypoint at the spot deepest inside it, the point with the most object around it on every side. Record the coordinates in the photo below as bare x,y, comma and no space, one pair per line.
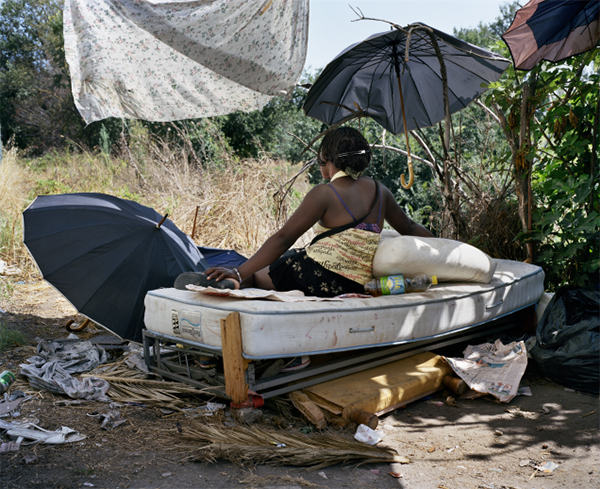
177,359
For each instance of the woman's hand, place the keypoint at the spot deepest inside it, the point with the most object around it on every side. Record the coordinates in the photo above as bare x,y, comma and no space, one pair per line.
220,273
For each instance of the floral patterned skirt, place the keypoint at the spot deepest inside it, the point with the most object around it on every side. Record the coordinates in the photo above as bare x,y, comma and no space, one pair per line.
296,271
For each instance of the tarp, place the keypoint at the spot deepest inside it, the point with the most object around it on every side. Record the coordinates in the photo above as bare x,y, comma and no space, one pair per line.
162,60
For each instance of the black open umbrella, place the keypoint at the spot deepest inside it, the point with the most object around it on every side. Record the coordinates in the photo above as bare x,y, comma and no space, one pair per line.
397,79
552,30
104,254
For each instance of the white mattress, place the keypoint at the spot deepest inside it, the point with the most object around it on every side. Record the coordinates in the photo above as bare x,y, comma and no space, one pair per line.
277,329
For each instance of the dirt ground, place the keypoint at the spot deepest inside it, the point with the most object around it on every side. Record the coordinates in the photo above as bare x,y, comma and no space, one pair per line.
476,444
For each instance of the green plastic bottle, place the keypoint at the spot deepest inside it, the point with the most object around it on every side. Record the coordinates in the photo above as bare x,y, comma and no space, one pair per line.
397,284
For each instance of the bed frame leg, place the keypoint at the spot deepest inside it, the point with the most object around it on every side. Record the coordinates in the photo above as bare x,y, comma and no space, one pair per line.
234,365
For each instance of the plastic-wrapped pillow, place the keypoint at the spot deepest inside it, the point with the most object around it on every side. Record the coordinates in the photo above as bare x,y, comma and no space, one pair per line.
449,260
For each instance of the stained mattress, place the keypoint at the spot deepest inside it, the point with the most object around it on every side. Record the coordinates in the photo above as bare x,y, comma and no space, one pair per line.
279,329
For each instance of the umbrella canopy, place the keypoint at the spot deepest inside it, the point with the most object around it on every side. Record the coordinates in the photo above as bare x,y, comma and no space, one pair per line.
552,30
104,254
367,75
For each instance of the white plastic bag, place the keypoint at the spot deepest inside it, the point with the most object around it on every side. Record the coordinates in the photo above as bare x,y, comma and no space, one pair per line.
366,435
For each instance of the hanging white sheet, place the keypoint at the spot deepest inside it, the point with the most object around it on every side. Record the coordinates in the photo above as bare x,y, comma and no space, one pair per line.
161,60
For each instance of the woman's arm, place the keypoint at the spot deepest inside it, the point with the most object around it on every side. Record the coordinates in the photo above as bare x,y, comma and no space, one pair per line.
396,217
311,209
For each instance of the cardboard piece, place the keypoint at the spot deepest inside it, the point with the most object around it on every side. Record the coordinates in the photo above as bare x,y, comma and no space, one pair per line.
381,389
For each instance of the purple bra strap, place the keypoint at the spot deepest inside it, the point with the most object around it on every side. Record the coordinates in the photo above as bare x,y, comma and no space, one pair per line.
346,207
343,203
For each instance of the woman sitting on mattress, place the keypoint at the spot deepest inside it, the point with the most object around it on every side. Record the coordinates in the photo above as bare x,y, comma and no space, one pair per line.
348,214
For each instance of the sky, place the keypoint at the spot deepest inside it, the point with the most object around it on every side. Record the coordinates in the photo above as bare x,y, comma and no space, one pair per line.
331,30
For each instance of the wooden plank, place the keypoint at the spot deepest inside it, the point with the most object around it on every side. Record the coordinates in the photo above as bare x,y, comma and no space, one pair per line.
308,408
234,365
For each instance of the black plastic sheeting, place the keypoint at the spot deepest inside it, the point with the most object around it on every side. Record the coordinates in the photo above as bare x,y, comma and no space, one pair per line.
567,347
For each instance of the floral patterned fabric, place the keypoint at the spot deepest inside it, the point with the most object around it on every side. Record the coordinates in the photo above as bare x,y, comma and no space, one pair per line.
164,60
295,270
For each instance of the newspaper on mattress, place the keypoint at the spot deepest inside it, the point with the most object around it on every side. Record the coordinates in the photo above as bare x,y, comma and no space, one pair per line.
277,329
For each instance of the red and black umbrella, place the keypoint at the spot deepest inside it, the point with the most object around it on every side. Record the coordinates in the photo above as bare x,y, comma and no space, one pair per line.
552,30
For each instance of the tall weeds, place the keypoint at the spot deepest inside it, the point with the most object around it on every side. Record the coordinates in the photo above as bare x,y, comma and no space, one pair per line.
15,183
231,202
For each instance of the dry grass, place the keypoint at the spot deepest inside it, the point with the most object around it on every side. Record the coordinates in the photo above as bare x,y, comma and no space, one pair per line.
131,385
15,182
234,200
250,445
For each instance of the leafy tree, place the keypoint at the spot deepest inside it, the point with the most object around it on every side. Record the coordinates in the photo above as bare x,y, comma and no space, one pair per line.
550,120
31,95
273,129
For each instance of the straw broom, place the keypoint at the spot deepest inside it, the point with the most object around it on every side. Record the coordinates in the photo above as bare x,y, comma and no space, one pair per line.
254,445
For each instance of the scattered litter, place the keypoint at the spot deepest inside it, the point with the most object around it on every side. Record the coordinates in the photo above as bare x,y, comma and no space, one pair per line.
89,484
498,433
524,463
524,391
375,471
450,450
588,414
439,403
135,360
8,407
431,450
397,475
450,401
322,474
6,269
110,420
57,359
37,434
544,410
167,474
494,369
67,402
366,435
496,469
278,445
548,467
568,389
207,410
27,459
11,446
516,412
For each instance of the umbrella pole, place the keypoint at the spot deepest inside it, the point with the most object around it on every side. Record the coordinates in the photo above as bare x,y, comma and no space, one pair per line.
411,174
161,221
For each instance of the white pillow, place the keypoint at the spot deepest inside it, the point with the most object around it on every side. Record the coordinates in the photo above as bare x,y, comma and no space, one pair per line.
449,260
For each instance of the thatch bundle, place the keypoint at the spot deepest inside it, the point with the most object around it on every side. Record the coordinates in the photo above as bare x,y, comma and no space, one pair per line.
251,445
131,385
